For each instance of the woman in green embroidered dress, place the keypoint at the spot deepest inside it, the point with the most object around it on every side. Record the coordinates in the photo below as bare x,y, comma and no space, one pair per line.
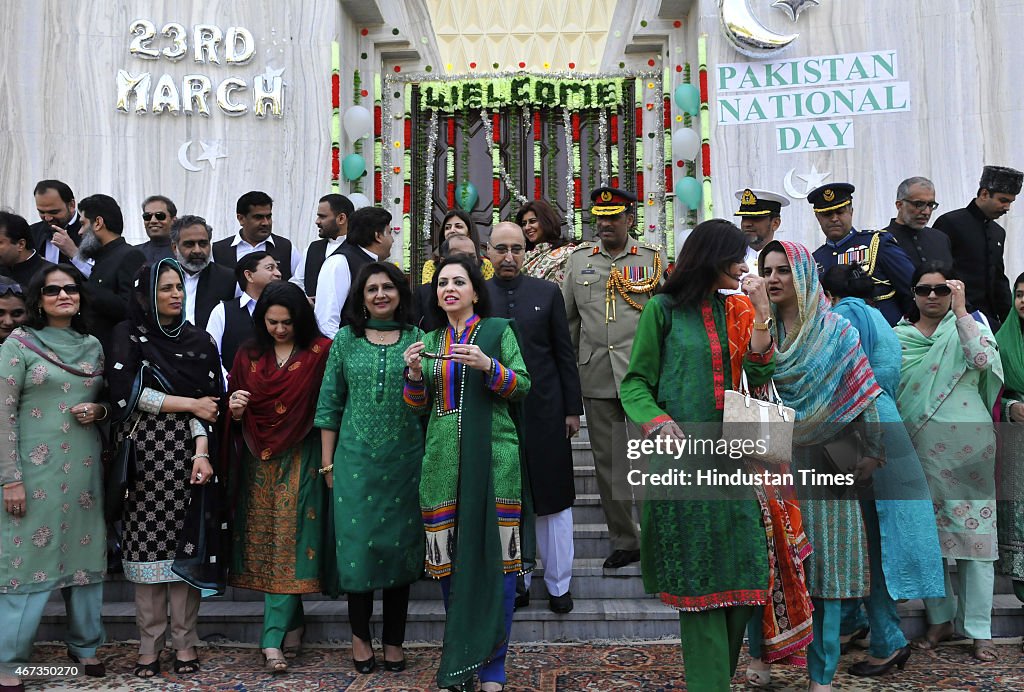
52,531
280,500
471,488
372,445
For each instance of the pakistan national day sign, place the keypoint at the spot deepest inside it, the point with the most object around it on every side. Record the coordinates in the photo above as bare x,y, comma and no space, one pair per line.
812,100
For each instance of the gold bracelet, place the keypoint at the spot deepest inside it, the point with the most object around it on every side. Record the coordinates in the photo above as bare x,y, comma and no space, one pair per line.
326,469
106,413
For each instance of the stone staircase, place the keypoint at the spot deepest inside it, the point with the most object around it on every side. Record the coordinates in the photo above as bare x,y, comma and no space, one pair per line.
609,604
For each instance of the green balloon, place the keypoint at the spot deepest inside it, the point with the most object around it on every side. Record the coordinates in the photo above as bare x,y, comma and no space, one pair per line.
466,196
687,97
688,191
353,166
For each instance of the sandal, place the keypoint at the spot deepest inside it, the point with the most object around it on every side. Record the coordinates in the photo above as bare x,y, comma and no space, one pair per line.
758,677
984,650
928,642
274,664
148,670
186,667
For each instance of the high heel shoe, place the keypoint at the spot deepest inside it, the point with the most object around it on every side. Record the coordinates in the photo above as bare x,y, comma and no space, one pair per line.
367,666
93,670
866,669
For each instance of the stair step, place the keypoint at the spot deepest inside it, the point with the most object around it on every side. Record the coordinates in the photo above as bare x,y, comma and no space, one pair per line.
590,619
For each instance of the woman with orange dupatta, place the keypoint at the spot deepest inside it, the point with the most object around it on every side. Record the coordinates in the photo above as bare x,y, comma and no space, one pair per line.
716,561
280,498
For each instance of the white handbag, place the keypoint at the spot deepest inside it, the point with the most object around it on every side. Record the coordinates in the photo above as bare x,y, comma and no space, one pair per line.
762,429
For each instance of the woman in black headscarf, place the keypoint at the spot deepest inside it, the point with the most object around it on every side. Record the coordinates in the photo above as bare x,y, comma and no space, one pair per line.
165,385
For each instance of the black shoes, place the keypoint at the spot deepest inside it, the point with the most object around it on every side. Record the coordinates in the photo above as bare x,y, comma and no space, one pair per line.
621,558
866,669
560,604
365,667
522,600
93,670
859,636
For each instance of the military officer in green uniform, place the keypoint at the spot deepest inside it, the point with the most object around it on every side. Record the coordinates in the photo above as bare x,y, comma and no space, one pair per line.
606,286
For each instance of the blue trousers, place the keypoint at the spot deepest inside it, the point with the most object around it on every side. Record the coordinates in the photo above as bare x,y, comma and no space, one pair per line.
493,670
886,636
21,614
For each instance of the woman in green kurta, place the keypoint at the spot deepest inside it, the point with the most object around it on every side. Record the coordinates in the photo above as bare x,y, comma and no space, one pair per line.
476,514
949,383
707,557
281,503
1011,469
372,445
52,531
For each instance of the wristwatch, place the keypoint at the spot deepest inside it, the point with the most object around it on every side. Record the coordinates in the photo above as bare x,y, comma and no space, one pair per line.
764,326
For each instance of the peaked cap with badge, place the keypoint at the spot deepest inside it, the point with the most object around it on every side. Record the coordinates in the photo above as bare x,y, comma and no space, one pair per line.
830,197
760,203
611,201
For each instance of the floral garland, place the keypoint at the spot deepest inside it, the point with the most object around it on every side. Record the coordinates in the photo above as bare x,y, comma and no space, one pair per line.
613,134
602,146
451,153
496,159
538,164
357,146
522,89
335,116
378,142
638,99
705,125
570,192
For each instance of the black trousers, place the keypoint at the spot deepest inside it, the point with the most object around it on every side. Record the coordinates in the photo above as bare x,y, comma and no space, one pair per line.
396,610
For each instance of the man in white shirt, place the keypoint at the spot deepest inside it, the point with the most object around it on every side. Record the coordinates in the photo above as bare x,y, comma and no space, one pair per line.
230,323
369,240
254,211
332,226
206,283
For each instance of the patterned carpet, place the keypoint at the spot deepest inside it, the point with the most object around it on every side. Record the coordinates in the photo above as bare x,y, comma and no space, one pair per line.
532,668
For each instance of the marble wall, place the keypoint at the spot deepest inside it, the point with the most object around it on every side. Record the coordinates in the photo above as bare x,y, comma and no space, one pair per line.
959,57
59,120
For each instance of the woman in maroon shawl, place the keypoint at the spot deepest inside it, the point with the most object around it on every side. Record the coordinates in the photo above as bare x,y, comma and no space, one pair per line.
280,499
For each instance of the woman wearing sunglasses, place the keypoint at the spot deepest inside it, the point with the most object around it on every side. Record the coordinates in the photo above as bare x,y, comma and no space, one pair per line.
52,530
949,382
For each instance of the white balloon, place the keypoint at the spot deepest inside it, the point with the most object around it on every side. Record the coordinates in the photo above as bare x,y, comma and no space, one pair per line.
685,144
358,199
358,122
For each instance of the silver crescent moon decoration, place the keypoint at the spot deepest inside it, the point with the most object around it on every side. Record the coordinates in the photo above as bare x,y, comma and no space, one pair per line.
748,35
183,157
790,190
793,8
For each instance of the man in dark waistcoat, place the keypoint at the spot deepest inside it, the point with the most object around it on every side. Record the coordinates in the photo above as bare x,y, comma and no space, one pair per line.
254,211
332,214
915,202
978,242
876,251
553,407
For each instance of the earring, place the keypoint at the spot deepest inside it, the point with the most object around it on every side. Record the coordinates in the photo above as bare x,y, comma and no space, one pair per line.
474,300
366,313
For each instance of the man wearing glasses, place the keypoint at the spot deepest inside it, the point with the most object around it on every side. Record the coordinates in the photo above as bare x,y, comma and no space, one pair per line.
915,202
158,215
876,251
978,242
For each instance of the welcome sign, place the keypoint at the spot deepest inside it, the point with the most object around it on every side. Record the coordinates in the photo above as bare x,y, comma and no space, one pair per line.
836,87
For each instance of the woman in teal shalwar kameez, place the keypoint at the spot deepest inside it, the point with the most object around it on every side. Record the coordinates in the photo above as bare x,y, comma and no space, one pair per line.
472,497
372,448
903,545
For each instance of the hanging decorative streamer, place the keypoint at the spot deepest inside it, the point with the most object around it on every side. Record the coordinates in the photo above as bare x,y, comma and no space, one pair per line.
428,188
450,155
638,99
406,199
613,171
335,116
691,166
357,146
705,124
538,164
492,135
602,147
577,182
668,227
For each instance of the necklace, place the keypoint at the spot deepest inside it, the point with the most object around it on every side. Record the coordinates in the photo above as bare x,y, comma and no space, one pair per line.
380,337
282,361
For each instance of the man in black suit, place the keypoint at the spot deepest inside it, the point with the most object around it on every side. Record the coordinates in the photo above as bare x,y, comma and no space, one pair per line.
56,237
18,259
332,226
254,211
158,216
206,283
978,243
115,263
551,410
915,202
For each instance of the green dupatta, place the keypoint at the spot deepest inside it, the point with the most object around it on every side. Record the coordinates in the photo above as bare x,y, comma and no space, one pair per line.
475,625
932,367
1011,352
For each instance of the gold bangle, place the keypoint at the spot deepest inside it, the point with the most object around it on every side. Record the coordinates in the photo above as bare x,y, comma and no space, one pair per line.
106,413
326,469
